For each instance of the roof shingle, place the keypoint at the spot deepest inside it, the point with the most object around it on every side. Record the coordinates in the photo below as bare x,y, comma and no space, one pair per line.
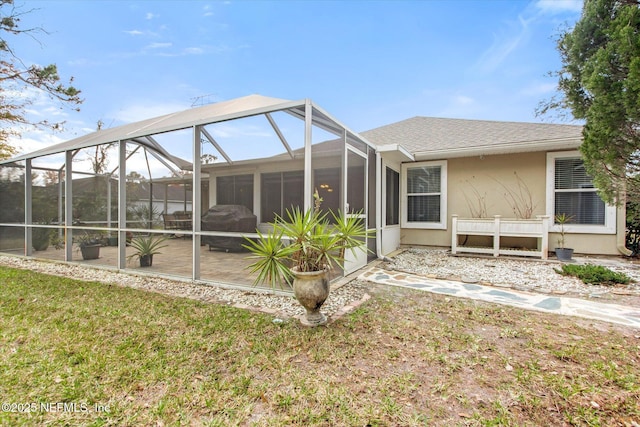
432,134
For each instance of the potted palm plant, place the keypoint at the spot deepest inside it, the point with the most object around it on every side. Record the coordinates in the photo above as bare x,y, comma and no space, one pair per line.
145,247
302,248
562,253
89,244
41,237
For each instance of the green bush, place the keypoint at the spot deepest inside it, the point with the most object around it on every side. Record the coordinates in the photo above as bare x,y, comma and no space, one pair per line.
594,274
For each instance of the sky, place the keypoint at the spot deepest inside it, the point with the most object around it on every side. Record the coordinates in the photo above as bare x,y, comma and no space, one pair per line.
368,63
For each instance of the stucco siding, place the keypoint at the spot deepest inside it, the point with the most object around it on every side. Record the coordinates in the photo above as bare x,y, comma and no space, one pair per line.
502,185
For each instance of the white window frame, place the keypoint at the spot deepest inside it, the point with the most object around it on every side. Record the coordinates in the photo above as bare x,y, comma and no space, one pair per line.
609,226
404,201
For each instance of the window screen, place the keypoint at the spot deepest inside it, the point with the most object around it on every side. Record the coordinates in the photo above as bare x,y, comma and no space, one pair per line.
393,197
235,190
575,194
281,191
423,194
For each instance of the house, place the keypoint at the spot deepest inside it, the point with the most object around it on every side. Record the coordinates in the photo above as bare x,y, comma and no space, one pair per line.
405,180
478,168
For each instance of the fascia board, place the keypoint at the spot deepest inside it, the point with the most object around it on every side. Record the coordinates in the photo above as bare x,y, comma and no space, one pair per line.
510,148
397,149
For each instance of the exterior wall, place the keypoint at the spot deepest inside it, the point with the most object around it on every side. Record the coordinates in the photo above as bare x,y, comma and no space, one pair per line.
267,167
487,181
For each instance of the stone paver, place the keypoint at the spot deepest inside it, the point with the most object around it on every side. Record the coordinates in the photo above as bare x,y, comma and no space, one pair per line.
614,313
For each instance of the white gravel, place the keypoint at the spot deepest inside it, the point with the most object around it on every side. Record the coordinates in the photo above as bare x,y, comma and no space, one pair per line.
283,306
531,275
528,275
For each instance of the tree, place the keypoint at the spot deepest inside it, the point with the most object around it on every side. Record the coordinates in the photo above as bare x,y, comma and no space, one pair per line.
17,78
599,83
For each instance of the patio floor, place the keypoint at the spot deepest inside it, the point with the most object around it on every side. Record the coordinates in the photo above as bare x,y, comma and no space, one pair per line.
175,259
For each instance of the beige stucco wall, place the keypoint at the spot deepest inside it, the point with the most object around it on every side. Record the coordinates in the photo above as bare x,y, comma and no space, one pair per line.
492,178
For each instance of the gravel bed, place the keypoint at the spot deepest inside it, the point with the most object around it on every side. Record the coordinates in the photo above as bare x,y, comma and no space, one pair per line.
531,275
281,306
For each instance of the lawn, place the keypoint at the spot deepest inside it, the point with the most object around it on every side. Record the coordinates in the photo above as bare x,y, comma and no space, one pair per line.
82,353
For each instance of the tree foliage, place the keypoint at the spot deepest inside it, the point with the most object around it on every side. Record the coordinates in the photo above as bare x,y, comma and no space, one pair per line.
18,80
600,83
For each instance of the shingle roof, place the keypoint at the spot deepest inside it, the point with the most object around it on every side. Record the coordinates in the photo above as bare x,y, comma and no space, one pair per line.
431,136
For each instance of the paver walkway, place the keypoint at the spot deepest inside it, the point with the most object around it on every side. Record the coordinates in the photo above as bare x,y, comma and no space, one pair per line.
614,313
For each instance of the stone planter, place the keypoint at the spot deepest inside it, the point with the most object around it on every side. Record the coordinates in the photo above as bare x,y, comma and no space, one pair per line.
564,254
311,289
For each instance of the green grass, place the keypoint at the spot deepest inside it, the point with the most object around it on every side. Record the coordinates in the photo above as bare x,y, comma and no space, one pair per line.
404,358
594,274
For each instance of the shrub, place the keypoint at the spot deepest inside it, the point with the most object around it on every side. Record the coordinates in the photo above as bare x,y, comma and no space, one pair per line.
594,274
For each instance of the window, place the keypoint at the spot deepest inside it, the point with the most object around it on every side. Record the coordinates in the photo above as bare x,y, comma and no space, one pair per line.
281,191
424,197
235,190
571,191
392,204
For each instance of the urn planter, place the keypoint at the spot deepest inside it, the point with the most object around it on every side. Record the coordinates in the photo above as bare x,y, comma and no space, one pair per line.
303,247
311,289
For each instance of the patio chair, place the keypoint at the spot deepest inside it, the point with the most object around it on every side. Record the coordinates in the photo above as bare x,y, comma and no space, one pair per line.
169,222
183,220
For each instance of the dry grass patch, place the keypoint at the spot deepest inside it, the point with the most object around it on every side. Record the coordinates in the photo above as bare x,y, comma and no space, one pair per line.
404,358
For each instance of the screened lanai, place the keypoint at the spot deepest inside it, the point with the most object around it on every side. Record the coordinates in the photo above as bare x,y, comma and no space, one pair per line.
252,157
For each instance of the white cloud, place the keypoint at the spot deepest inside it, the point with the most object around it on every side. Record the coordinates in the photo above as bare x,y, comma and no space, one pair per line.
537,89
190,51
462,100
193,51
35,139
150,16
457,105
504,44
82,62
559,6
516,33
142,111
134,32
159,45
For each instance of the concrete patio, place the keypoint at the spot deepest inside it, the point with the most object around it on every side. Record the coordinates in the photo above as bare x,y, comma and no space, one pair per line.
175,261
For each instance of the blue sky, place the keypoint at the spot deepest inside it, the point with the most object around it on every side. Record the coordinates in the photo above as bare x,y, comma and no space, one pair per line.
369,63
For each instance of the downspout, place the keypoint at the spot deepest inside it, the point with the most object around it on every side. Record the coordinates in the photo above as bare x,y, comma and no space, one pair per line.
621,229
379,197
